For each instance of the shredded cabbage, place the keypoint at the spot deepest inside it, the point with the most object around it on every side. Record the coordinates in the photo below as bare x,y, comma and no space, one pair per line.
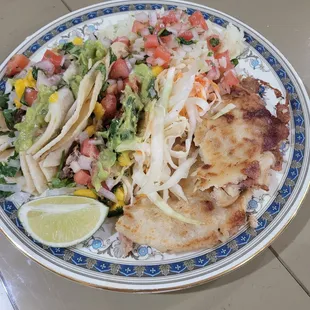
163,206
223,111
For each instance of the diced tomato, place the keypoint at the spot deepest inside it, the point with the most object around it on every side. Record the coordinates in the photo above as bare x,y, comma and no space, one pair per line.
214,43
89,149
187,35
54,58
109,104
16,64
225,55
151,41
166,39
124,40
230,78
119,70
82,177
30,95
137,26
197,20
162,53
170,18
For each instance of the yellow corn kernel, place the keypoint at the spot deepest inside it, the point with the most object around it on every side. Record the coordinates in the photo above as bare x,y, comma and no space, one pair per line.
90,130
157,70
20,88
77,41
98,111
120,196
29,80
17,103
124,159
85,193
53,97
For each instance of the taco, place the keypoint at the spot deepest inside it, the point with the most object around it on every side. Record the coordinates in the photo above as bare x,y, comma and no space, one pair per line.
56,113
86,100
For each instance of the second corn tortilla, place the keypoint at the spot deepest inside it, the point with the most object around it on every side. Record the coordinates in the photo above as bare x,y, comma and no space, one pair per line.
25,169
36,173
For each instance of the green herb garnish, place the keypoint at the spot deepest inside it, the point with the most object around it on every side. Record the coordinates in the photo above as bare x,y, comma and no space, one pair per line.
186,42
9,116
164,32
101,67
4,98
112,56
7,170
214,42
235,61
35,73
151,29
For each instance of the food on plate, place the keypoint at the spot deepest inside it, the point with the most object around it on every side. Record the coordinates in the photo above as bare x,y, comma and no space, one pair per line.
151,118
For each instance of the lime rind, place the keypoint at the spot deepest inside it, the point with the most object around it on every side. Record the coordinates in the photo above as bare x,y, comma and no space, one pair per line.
62,221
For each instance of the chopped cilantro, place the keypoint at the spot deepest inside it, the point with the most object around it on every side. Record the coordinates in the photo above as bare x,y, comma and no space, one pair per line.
7,170
101,67
151,29
35,73
214,42
186,42
112,56
4,98
9,116
235,62
164,32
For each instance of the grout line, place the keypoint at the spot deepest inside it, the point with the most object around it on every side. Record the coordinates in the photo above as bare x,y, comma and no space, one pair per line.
66,5
8,292
289,270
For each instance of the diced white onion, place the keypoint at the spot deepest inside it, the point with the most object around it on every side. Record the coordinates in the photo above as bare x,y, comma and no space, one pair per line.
153,18
46,66
85,162
83,136
8,86
74,165
145,32
107,194
111,82
106,42
142,17
10,188
19,198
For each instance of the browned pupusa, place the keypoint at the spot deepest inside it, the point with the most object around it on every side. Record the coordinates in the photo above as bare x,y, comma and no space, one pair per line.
237,152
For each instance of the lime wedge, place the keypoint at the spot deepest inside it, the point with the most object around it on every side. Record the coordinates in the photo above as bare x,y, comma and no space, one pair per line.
62,221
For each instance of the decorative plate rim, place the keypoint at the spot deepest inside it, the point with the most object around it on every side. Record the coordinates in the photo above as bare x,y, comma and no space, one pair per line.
277,230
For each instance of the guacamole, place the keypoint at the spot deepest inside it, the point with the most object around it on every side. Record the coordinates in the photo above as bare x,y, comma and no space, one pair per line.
34,120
